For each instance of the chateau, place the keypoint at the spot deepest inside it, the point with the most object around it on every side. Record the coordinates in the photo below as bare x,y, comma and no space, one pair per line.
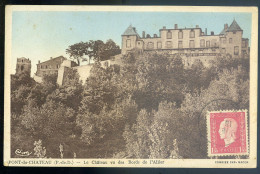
189,42
192,44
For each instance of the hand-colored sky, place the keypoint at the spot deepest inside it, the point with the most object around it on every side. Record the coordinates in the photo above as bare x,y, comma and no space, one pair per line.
40,35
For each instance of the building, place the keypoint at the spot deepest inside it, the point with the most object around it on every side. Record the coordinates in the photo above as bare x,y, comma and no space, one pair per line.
84,70
23,65
189,42
50,66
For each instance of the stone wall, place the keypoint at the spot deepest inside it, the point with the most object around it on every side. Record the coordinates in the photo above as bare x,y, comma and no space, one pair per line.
84,70
23,65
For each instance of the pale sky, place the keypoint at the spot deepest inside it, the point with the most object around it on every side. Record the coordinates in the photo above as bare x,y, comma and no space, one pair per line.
41,35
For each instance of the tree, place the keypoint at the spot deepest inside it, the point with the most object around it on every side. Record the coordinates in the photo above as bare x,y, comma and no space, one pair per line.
110,49
53,123
78,50
97,50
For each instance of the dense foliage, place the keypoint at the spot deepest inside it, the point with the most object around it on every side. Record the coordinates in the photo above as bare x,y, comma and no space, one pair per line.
97,50
151,106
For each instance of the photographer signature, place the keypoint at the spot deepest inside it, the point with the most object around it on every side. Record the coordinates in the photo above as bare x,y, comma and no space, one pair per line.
21,153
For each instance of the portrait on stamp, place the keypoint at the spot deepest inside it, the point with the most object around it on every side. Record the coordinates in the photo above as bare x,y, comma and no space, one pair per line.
228,133
100,86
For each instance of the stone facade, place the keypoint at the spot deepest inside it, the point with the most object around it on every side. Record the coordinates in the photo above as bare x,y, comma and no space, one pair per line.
23,65
188,42
50,66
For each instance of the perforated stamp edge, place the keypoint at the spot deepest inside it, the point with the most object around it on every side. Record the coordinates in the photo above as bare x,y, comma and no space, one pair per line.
209,136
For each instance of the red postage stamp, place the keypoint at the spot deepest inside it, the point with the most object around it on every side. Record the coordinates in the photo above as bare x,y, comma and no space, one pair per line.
227,133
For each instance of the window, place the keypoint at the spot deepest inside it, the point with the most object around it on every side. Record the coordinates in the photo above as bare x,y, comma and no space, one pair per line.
128,43
202,43
192,45
46,66
180,35
214,42
243,43
230,40
169,35
223,50
150,45
159,45
208,44
236,50
192,34
57,66
224,40
180,44
168,44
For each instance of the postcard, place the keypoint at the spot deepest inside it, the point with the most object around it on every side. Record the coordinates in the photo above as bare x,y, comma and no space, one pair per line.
131,86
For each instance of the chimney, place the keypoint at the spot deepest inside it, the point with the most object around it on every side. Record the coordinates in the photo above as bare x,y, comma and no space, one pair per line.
148,36
175,26
206,31
134,29
50,57
225,26
39,61
155,35
197,26
212,33
164,27
143,34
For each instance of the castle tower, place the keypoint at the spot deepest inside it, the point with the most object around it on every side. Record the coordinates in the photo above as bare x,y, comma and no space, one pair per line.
129,38
23,65
232,41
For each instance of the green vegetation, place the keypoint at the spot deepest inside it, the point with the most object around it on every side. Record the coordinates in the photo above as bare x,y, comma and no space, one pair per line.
97,50
150,107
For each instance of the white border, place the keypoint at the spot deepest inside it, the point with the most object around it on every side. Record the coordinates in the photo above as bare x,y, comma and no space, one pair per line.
195,163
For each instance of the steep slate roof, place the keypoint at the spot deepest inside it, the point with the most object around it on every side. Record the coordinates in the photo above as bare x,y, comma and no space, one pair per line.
234,26
223,31
130,31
